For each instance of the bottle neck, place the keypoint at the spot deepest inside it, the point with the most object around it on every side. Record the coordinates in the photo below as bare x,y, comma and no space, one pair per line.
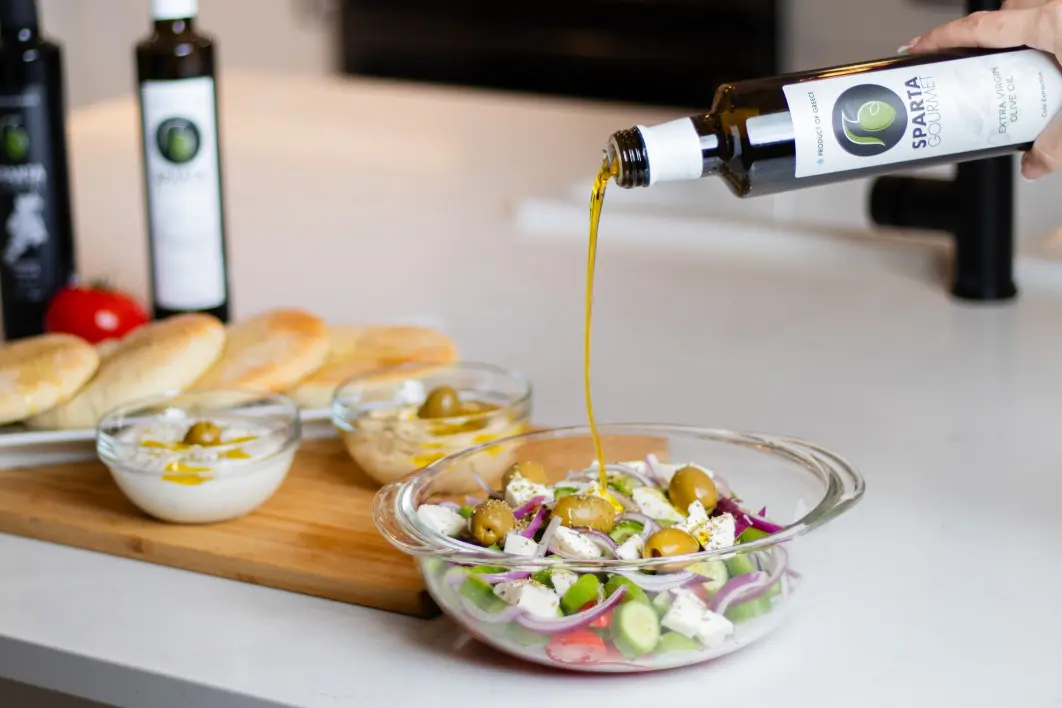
684,149
19,33
175,27
18,20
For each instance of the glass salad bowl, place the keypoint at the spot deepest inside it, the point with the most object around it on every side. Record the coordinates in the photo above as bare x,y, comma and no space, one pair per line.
379,416
557,571
200,456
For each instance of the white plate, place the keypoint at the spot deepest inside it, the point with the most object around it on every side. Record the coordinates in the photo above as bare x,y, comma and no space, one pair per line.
22,447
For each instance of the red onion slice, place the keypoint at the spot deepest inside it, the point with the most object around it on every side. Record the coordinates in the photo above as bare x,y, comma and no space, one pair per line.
494,578
653,465
762,512
648,525
473,501
452,506
576,621
486,487
737,589
741,525
626,502
658,583
547,536
480,615
529,506
536,523
729,506
602,540
631,472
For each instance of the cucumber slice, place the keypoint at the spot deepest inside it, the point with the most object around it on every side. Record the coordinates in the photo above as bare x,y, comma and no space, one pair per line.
585,590
481,593
673,641
486,569
662,603
635,629
621,484
465,512
633,591
624,530
740,565
745,611
524,636
714,572
561,492
543,577
751,534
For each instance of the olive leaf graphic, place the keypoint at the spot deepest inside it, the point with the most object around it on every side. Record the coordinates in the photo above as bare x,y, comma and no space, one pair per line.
180,144
16,142
873,117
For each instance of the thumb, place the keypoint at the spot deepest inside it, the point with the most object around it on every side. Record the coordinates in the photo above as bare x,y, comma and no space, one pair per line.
1045,156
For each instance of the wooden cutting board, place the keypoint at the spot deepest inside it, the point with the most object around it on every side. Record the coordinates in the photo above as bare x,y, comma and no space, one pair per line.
315,536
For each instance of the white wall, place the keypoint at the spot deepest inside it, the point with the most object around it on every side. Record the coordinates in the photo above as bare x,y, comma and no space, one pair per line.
98,37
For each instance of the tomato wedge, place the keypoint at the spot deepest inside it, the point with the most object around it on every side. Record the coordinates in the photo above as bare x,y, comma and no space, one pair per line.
579,646
603,621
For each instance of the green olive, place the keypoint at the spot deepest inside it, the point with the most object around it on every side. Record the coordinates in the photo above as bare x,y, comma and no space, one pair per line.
669,542
203,433
586,510
531,471
690,484
491,520
442,402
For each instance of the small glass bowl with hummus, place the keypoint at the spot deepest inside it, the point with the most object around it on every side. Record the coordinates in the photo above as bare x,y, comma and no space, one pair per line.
203,456
397,420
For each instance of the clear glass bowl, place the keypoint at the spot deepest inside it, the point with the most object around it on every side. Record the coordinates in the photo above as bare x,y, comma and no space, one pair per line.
801,485
375,416
141,444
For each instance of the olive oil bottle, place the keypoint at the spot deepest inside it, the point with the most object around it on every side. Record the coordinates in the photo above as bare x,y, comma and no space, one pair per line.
182,164
817,127
37,236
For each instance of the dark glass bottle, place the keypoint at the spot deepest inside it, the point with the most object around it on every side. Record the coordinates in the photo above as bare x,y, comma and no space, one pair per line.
818,127
182,165
37,236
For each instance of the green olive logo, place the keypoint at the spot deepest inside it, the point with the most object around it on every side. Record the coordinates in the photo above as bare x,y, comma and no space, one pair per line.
178,140
15,142
868,120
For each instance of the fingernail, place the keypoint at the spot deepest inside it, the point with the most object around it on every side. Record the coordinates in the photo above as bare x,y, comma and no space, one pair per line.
906,48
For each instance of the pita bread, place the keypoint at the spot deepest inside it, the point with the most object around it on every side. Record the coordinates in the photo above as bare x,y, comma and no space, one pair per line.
358,350
39,373
269,352
160,357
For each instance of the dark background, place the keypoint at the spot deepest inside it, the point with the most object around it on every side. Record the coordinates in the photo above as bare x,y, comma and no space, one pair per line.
660,52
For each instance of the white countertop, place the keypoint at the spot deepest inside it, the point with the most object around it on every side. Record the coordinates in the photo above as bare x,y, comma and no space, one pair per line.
938,589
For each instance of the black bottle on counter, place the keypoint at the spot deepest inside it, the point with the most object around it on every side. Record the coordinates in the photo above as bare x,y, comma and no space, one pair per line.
36,224
182,165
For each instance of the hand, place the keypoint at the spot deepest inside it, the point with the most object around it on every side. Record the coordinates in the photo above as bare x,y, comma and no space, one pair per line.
1032,23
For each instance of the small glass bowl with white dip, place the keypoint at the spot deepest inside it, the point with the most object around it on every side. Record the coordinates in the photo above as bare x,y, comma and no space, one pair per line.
201,456
378,417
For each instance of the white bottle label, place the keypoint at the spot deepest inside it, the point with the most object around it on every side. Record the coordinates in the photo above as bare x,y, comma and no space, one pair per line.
184,192
917,112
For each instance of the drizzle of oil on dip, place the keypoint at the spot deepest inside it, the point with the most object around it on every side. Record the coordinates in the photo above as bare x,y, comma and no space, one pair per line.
181,472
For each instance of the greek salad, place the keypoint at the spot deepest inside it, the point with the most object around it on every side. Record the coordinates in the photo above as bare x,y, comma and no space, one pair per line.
624,613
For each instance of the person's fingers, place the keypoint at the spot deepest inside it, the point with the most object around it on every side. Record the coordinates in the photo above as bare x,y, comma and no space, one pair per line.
1045,156
998,29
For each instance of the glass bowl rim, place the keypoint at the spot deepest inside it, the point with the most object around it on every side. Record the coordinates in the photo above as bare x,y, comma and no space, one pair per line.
342,413
394,512
291,432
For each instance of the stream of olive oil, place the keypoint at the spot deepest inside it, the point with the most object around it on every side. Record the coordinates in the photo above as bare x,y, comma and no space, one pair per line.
597,197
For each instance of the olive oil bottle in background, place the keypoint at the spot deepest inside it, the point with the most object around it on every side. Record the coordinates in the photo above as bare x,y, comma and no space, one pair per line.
817,127
182,164
36,226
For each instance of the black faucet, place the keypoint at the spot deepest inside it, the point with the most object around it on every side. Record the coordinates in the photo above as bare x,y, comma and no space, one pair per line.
976,208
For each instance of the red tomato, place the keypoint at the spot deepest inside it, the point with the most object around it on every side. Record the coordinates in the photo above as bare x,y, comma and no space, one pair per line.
579,646
94,313
602,621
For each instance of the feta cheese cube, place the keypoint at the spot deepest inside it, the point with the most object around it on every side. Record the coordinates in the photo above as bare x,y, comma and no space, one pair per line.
631,549
575,544
697,516
654,504
715,533
713,629
441,519
562,580
519,545
685,614
536,599
690,617
521,490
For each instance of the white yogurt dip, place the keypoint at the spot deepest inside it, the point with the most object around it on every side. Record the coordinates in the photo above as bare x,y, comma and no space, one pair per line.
200,484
